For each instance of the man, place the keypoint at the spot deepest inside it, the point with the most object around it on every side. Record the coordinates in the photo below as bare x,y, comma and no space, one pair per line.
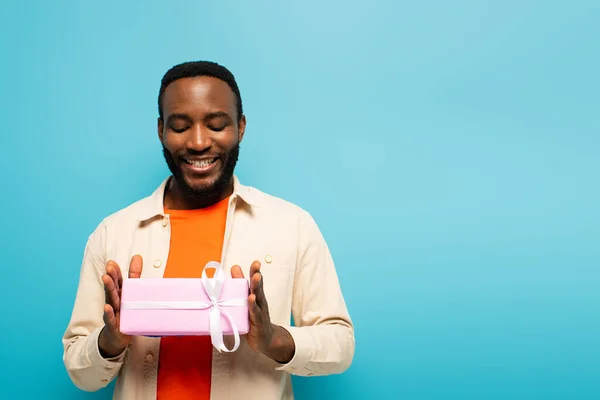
203,213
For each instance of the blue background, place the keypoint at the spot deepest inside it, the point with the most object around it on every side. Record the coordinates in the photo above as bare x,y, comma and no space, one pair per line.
449,151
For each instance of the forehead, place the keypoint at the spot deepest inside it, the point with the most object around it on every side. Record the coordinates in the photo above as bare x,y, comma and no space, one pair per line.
198,95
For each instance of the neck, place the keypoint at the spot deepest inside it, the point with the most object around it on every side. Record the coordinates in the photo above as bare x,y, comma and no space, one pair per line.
177,198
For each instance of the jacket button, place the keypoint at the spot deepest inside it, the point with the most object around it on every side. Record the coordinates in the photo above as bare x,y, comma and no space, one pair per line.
157,263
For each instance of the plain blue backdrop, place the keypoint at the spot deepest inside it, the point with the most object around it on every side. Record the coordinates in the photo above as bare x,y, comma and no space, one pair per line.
449,151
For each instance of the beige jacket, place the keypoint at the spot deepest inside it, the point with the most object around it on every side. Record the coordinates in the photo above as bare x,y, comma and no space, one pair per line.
300,281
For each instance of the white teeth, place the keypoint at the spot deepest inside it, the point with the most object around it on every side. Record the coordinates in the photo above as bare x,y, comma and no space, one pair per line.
203,163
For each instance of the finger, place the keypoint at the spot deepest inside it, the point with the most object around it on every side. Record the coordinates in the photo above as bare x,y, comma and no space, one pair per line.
135,266
120,277
110,320
255,283
254,268
236,272
106,291
111,294
112,269
258,281
254,310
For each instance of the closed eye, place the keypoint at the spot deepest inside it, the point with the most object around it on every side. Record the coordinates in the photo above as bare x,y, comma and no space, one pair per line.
218,128
178,129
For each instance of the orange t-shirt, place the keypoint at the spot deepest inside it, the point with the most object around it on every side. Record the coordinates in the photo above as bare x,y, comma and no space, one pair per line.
184,370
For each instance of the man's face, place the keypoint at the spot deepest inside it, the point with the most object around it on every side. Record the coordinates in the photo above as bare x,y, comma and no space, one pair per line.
200,134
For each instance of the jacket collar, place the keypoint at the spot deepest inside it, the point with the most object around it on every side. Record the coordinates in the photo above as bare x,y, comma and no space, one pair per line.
153,205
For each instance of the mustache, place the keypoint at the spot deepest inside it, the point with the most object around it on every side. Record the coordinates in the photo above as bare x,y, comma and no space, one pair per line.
191,155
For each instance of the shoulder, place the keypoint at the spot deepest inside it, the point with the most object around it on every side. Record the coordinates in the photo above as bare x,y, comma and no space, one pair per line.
271,204
279,210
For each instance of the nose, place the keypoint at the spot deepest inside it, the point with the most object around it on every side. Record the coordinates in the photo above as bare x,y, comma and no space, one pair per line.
199,139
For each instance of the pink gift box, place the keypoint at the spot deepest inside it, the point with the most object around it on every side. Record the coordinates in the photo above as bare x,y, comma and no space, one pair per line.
180,307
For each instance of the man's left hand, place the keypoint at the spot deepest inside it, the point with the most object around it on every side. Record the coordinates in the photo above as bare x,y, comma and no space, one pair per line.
264,337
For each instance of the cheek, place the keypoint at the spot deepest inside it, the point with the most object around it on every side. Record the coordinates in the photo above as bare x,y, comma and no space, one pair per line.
174,143
228,142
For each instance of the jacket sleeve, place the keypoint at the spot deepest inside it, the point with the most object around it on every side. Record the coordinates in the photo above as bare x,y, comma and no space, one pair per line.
85,365
323,332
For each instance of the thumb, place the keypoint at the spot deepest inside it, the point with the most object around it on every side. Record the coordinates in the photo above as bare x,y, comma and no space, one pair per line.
135,266
236,272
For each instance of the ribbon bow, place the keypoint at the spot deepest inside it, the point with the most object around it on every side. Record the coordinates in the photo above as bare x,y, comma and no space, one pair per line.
213,290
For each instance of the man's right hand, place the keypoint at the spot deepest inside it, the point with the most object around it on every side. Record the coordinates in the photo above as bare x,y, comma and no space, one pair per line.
111,341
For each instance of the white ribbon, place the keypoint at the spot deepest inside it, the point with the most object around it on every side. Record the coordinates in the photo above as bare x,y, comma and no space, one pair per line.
213,290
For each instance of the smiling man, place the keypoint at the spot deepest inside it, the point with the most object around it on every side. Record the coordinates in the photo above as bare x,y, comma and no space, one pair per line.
203,213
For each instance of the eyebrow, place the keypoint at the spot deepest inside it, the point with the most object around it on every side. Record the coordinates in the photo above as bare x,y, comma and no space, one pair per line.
217,114
213,115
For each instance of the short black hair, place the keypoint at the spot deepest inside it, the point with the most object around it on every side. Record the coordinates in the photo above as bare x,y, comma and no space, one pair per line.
192,69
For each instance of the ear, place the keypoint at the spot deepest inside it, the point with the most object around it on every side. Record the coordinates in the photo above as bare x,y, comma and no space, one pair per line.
241,128
160,129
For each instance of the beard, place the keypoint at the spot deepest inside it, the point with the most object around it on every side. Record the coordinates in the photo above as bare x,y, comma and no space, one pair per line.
208,191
